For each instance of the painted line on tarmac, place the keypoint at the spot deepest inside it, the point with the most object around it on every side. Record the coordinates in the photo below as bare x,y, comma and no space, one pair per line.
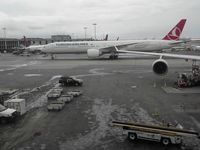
14,67
195,122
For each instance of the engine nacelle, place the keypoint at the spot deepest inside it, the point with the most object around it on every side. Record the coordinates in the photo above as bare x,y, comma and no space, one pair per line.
160,67
93,53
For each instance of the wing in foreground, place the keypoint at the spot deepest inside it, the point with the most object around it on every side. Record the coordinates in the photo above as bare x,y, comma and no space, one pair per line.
191,57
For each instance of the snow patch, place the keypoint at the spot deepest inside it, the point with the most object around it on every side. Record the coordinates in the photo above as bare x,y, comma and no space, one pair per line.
102,111
133,86
55,77
7,69
32,75
13,67
93,72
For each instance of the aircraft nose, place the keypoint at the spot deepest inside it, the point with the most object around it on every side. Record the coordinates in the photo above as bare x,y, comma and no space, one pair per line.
43,48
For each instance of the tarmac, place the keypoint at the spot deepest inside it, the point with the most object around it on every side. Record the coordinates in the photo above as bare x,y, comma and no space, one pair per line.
122,90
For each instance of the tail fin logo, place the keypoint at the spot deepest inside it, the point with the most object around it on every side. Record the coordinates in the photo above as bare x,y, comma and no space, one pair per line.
175,33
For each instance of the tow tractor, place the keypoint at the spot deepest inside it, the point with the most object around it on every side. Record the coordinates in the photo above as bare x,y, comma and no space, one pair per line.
189,80
165,135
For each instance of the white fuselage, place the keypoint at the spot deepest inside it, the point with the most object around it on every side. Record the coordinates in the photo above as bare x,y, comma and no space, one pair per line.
34,47
83,46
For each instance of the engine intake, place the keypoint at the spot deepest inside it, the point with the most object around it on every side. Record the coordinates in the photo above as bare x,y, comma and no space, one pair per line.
93,53
160,67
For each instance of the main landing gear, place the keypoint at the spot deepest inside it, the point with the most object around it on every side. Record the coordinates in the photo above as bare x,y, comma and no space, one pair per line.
113,56
52,57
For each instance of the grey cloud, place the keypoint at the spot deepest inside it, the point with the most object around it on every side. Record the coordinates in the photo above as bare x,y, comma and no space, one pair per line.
127,18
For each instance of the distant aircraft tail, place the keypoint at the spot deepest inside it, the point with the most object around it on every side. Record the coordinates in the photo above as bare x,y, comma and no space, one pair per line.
106,38
175,33
25,41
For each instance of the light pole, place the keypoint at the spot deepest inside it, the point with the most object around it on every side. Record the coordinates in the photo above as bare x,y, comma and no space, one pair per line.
85,28
94,24
4,31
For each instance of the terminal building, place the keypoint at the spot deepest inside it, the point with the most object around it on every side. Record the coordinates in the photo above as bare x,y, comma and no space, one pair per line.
35,41
59,38
8,43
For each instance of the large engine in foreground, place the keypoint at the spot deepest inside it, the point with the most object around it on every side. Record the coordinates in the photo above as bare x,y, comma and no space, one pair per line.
93,53
160,67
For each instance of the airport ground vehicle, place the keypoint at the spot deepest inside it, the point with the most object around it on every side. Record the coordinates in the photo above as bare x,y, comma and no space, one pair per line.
7,114
189,80
65,98
5,95
25,54
165,135
54,94
16,52
18,104
56,105
57,89
75,93
70,81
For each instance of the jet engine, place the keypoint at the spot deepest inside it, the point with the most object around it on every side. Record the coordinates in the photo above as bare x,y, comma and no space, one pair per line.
93,53
160,67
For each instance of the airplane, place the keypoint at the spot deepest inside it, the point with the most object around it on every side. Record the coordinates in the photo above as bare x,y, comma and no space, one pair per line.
95,49
195,44
196,48
192,44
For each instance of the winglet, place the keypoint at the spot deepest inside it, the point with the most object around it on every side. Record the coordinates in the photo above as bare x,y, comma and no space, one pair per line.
175,33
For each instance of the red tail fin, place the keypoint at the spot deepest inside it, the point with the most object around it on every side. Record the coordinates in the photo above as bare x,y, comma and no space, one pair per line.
175,33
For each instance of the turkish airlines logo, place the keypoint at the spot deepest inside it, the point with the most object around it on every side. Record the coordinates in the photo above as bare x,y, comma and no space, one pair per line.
174,34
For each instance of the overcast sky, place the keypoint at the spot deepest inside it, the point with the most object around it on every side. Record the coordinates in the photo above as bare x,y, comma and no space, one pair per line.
128,19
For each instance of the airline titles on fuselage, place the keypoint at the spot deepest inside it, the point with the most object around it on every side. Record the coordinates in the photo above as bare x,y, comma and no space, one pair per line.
71,44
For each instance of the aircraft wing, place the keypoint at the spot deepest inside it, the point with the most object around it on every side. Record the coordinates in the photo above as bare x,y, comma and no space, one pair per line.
113,48
121,46
191,57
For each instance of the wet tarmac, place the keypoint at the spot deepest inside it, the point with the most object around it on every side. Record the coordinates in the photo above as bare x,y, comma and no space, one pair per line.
123,90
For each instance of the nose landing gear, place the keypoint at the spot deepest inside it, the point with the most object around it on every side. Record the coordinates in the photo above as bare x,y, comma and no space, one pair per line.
52,57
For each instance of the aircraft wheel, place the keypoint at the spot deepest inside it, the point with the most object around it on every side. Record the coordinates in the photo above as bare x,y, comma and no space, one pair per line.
52,57
132,136
115,56
165,141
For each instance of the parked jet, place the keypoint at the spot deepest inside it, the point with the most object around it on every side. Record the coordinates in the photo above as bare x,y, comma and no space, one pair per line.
195,48
95,49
